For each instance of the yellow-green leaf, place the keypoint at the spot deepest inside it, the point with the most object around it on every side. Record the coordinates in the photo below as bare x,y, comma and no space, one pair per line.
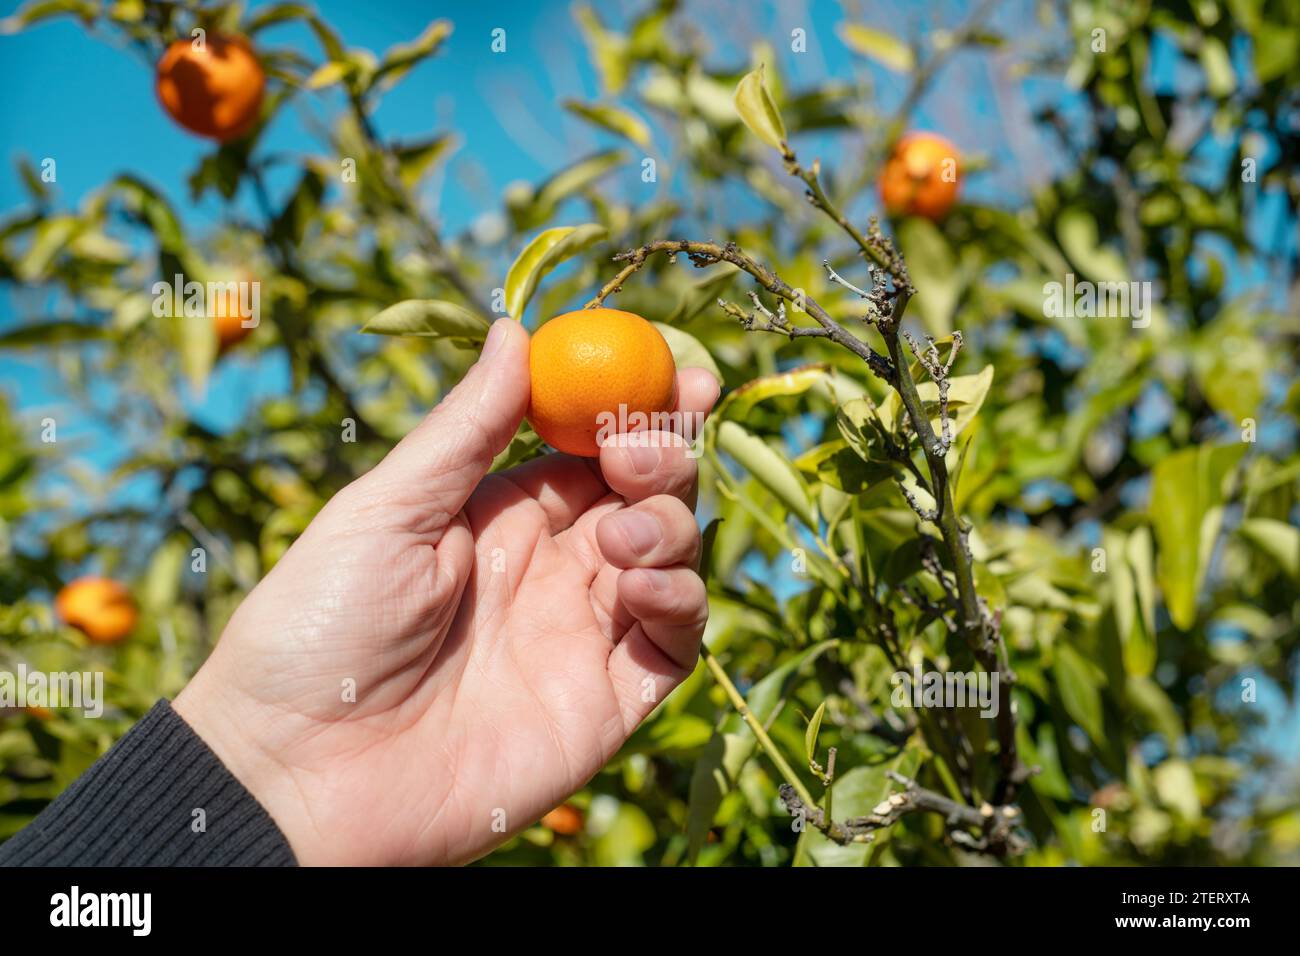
540,256
741,401
814,728
759,112
1277,539
613,118
1186,495
688,351
769,467
885,48
429,317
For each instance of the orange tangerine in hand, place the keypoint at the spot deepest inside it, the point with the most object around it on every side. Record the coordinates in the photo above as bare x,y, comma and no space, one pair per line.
595,373
215,91
921,177
100,608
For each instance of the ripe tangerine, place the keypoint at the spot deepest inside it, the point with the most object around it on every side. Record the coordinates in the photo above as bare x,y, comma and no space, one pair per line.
100,608
227,316
564,820
918,179
594,372
215,91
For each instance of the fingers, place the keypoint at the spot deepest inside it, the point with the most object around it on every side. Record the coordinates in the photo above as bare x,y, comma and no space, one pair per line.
656,533
644,464
659,651
697,390
444,457
672,606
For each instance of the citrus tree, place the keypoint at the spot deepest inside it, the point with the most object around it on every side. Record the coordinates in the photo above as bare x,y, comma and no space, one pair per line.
937,465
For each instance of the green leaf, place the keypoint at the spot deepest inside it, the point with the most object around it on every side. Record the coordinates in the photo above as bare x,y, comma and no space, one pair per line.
1232,357
530,208
740,402
434,318
1220,80
966,394
609,51
688,351
44,10
1140,646
399,59
329,73
855,794
1079,683
886,49
759,113
718,769
1176,787
1076,229
836,464
1276,539
198,347
933,267
770,468
416,159
276,13
627,837
523,446
1155,705
858,421
540,256
1186,491
1276,47
810,735
613,118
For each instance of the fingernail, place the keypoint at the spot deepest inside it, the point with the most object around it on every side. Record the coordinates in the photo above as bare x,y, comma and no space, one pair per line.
496,337
645,458
657,579
641,530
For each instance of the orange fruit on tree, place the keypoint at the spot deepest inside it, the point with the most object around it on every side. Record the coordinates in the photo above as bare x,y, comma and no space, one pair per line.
596,373
921,177
564,820
227,316
100,608
214,91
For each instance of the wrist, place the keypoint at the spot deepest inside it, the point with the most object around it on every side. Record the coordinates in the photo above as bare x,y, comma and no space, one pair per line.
222,723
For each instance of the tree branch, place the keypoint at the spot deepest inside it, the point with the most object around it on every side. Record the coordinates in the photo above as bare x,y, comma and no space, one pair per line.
994,826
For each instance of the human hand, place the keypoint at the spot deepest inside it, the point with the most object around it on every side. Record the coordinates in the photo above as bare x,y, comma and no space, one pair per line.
505,633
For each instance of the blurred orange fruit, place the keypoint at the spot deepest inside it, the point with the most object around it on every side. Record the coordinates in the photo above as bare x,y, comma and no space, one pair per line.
100,608
215,91
227,317
564,820
593,371
921,177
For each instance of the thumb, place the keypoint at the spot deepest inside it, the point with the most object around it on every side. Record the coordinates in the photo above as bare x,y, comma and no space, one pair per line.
444,458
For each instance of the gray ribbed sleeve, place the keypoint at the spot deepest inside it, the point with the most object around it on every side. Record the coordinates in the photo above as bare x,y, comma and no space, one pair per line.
135,807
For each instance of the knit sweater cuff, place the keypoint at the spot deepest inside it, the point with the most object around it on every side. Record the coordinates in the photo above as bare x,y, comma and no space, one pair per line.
159,797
